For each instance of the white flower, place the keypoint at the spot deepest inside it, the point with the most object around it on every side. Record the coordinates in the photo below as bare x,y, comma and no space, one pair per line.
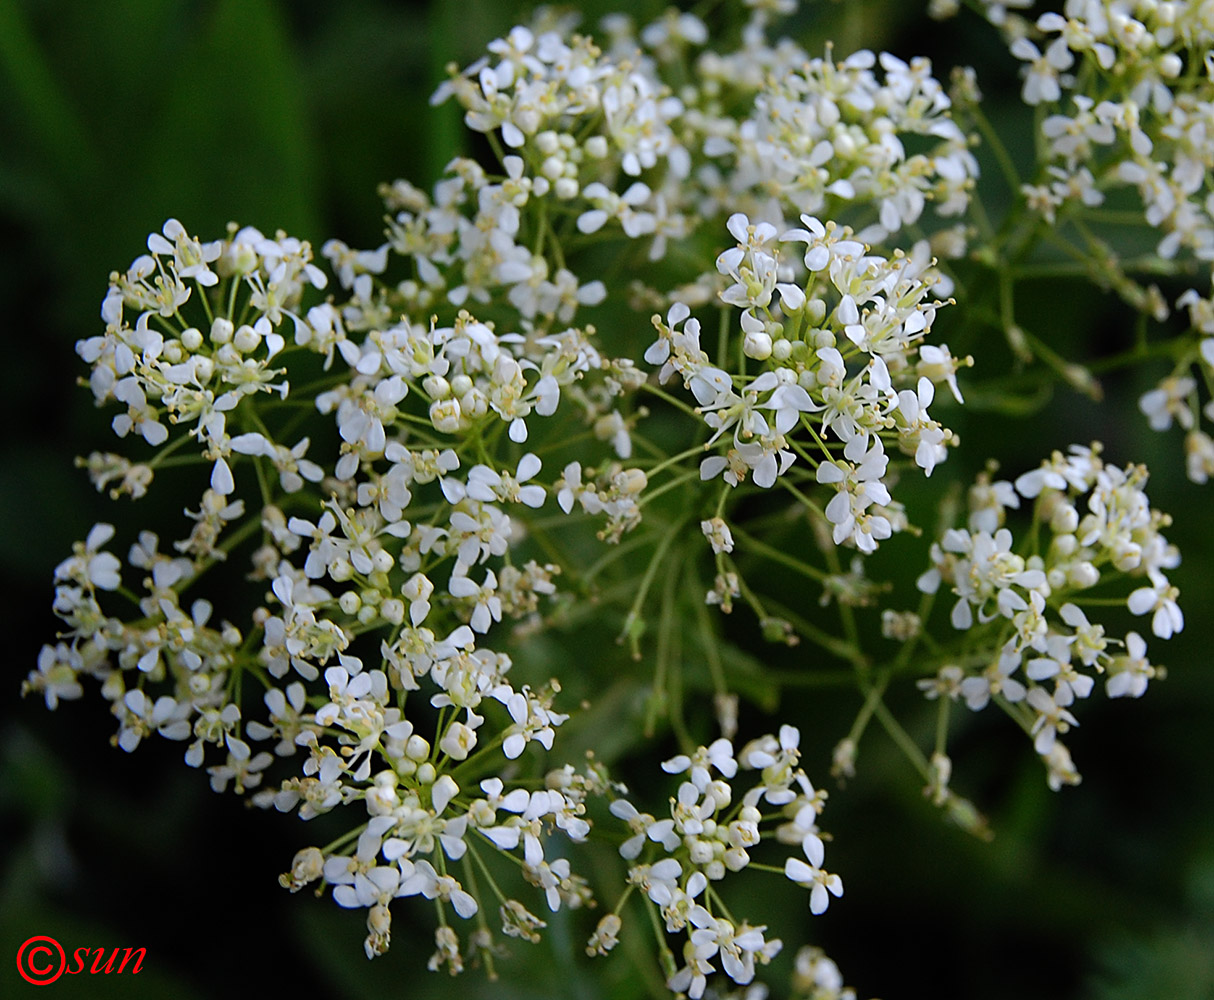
190,257
991,569
89,566
1169,399
1041,75
429,883
858,486
718,755
487,606
995,679
56,676
643,827
939,364
718,534
822,885
1161,599
486,485
1128,675
920,431
1052,718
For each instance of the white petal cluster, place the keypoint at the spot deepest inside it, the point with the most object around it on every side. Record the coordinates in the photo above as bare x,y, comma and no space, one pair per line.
708,834
802,134
842,299
1144,128
1047,653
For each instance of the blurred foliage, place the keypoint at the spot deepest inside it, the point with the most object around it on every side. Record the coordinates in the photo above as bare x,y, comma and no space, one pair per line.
287,114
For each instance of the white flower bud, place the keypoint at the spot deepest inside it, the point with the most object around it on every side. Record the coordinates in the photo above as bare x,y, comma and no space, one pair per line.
445,416
473,404
436,387
392,610
191,339
221,331
308,866
781,349
416,748
1065,519
379,919
606,935
1083,575
381,799
630,482
1065,545
566,188
246,339
757,345
350,602
596,146
720,793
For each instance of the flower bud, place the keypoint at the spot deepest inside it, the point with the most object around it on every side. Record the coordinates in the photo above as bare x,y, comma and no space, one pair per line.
436,387
445,416
221,331
757,345
308,866
246,339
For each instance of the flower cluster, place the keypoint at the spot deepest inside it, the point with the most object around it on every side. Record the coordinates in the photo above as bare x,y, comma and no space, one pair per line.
845,305
709,834
768,130
1125,92
406,468
1039,655
353,568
